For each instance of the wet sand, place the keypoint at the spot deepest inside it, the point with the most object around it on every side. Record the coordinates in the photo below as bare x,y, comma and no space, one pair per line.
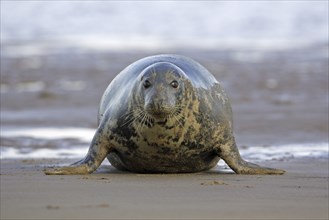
277,98
302,193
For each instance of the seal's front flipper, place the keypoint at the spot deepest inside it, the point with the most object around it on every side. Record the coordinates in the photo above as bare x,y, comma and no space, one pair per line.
98,150
231,156
244,167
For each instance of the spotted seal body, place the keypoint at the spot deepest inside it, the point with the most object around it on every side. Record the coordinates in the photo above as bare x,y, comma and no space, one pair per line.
164,114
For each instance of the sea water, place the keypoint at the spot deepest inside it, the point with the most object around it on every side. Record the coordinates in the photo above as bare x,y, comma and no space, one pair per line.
63,145
117,25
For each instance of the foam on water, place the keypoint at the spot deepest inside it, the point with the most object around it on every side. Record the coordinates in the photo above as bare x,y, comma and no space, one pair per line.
255,153
14,153
82,134
279,152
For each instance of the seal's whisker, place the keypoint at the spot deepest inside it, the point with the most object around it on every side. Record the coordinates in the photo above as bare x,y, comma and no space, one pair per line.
180,106
143,119
137,116
179,109
129,113
147,118
142,122
180,123
179,116
129,118
150,120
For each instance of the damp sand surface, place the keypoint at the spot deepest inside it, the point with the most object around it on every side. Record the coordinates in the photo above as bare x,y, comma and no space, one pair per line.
279,98
26,193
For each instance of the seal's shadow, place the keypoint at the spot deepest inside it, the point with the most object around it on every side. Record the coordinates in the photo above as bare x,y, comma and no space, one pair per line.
109,169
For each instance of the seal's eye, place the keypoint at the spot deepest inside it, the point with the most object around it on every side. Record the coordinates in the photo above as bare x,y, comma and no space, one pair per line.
146,84
174,84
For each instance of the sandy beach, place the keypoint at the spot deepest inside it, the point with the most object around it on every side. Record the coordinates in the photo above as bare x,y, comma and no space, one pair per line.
279,99
26,193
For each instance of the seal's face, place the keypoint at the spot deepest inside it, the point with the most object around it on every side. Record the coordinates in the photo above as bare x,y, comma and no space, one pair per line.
162,88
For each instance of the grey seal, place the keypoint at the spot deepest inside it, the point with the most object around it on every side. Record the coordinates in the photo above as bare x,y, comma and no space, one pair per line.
164,114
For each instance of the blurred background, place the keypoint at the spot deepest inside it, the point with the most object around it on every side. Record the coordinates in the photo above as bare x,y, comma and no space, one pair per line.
57,58
115,25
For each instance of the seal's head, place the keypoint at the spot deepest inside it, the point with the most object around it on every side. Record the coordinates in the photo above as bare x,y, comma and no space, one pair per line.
162,87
